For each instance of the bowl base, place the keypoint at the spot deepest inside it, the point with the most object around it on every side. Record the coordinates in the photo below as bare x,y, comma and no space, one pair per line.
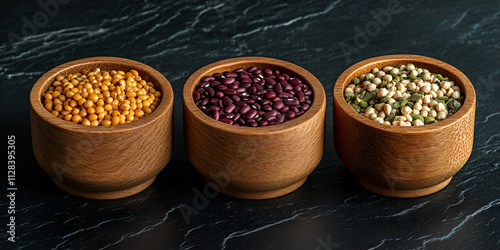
105,195
411,193
258,195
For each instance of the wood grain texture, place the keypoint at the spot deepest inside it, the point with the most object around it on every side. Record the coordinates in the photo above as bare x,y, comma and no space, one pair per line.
102,162
403,161
260,162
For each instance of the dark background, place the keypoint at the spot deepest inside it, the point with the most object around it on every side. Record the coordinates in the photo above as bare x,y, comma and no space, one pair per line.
179,37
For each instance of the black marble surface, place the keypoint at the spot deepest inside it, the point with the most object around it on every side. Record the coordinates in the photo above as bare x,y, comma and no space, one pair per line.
178,37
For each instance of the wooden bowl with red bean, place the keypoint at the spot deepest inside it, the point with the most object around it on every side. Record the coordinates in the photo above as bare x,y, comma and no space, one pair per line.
404,161
254,126
102,126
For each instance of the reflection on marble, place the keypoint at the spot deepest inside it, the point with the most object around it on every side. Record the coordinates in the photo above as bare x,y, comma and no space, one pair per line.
330,210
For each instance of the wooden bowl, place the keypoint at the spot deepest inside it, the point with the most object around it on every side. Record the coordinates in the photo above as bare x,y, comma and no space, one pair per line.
255,162
102,162
403,161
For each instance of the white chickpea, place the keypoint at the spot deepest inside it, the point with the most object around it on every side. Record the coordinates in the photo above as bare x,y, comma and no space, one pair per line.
387,77
433,94
371,76
366,83
402,67
417,106
387,109
397,95
391,101
426,108
395,71
419,101
358,90
441,115
372,116
371,87
391,93
450,91
380,106
408,118
433,103
378,119
456,88
410,67
445,85
434,87
406,110
382,92
387,68
369,110
414,72
351,86
380,74
439,93
427,99
416,111
401,87
440,107
377,81
417,122
419,70
426,77
375,70
455,95
424,113
349,90
432,113
387,123
412,86
381,115
426,88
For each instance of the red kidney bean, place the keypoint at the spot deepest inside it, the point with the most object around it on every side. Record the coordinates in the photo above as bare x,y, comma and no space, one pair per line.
236,117
271,113
227,101
204,84
270,80
230,108
251,69
239,103
278,88
291,102
196,96
228,80
284,95
251,114
230,74
221,87
278,105
252,97
270,95
224,120
207,79
216,115
204,101
230,92
245,109
300,96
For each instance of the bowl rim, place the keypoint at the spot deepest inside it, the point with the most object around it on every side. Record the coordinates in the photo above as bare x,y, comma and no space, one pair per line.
318,104
420,61
43,83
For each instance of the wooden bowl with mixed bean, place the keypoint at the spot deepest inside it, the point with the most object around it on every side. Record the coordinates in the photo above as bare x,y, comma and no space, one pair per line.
102,126
254,126
403,124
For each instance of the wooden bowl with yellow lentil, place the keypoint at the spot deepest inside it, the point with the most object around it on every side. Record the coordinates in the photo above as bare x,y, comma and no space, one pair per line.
418,153
102,127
